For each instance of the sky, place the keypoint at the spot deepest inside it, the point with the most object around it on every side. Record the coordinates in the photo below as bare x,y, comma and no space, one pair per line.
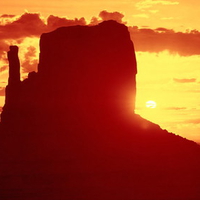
165,34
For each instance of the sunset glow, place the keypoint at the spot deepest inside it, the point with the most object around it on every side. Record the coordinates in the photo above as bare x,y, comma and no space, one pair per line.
151,104
165,35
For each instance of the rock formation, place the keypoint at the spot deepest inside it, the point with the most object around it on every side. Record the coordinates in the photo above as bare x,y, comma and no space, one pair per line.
14,66
69,131
87,70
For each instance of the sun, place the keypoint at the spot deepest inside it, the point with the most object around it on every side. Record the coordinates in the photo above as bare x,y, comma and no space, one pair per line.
151,104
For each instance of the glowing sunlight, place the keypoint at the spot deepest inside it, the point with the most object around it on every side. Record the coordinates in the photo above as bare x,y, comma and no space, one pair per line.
151,104
175,90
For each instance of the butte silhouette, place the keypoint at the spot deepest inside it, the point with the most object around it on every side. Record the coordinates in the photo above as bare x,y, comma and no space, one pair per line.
69,131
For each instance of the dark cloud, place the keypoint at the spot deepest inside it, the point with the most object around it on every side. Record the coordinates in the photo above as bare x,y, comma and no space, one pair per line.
2,91
30,64
28,25
3,68
104,15
160,39
94,21
7,16
3,49
31,25
54,22
184,80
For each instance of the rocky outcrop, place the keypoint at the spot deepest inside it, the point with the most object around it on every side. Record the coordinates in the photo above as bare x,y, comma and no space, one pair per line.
14,66
87,70
13,88
91,70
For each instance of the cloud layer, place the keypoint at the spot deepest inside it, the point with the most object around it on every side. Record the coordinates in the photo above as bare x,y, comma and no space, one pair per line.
184,80
160,39
146,4
16,29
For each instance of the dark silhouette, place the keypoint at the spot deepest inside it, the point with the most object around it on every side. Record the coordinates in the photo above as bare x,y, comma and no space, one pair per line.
69,131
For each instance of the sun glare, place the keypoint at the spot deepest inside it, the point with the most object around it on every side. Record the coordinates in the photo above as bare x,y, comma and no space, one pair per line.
151,104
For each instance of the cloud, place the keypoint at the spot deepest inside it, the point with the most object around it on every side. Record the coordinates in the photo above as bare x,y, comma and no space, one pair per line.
29,24
3,49
167,18
54,22
154,11
184,80
94,21
145,4
32,25
6,19
175,108
2,91
104,15
3,68
161,29
30,63
192,121
145,39
193,91
7,16
160,39
142,15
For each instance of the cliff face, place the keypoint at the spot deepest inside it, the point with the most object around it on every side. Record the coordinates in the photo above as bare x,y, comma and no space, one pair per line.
87,70
69,131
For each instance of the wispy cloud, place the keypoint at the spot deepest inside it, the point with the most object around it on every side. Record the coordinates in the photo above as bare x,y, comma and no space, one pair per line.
193,91
184,80
150,3
167,18
2,91
153,11
30,63
6,19
192,121
3,68
142,15
175,108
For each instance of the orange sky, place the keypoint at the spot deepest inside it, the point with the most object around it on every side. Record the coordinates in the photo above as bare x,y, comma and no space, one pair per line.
175,14
168,61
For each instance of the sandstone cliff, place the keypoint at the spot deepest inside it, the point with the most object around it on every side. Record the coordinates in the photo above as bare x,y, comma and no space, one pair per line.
82,70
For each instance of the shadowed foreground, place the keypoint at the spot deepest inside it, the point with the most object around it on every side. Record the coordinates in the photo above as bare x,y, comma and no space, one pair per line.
69,131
